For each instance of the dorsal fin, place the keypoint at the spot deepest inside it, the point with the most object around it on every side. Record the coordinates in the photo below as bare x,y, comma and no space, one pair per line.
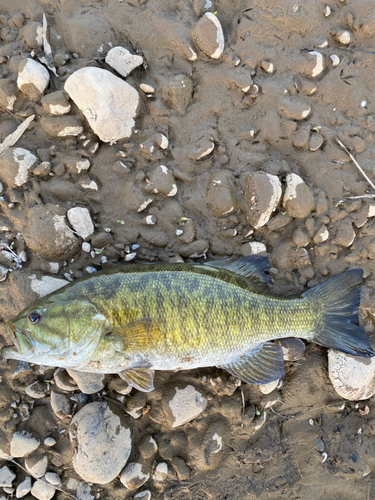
252,267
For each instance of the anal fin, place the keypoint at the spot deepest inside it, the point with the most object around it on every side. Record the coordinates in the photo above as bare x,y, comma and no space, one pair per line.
262,365
139,378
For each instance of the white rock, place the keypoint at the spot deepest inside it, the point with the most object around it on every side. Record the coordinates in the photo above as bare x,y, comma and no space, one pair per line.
161,472
83,491
88,383
50,441
268,388
147,89
36,465
144,495
6,477
344,37
256,247
22,444
208,35
109,104
42,490
186,405
123,61
319,65
46,285
262,194
335,60
32,73
327,11
353,377
81,222
23,488
25,160
102,444
53,478
86,247
133,477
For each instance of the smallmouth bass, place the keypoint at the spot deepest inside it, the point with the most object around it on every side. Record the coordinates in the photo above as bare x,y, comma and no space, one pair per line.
136,319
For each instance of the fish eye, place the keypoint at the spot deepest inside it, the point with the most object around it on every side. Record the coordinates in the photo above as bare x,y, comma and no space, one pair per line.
34,317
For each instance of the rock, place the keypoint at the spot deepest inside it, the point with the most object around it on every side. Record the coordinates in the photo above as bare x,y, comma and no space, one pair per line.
33,78
215,443
22,444
220,193
368,25
147,447
344,233
88,383
188,233
30,34
36,465
194,250
63,380
224,386
8,93
24,487
56,103
182,470
253,248
83,491
109,104
203,149
314,65
267,66
161,472
123,61
43,287
321,235
181,405
47,233
298,198
335,60
154,236
208,35
293,348
60,405
81,222
300,237
42,490
120,386
15,164
102,443
294,108
53,478
343,36
61,126
6,477
162,181
37,390
50,441
43,169
270,387
147,89
143,495
134,475
352,377
262,196
300,138
316,141
135,404
177,93
134,199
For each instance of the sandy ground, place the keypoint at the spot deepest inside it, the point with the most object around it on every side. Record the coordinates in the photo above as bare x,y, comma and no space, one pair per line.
265,105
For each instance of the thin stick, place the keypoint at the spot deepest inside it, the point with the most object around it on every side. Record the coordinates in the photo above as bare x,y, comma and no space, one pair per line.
13,138
364,196
355,163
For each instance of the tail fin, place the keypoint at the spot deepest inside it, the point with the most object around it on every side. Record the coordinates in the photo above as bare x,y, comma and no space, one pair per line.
337,324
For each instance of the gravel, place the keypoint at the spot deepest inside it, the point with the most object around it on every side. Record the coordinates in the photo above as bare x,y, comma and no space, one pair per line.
22,444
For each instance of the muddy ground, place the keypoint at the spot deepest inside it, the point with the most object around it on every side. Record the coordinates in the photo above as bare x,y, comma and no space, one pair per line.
262,106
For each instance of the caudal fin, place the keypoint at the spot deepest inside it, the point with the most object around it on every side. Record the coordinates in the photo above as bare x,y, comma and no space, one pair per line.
337,324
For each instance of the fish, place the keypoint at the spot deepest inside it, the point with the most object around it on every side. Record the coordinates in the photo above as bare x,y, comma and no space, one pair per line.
133,320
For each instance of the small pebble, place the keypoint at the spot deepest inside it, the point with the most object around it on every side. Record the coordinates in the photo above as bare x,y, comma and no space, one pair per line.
6,477
22,444
23,488
161,472
53,478
319,446
343,36
143,495
335,60
42,490
50,441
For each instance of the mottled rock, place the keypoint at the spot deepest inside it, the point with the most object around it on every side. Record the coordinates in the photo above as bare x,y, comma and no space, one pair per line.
43,169
121,60
48,234
215,443
181,405
63,380
60,405
253,248
208,35
143,495
37,390
109,104
344,233
147,447
6,477
8,93
300,237
177,93
36,464
262,196
220,193
134,199
120,386
42,490
183,471
353,377
161,472
80,220
135,404
154,236
343,36
56,103
316,141
294,108
15,165
42,287
61,125
102,443
298,198
162,181
194,250
268,388
33,78
50,441
313,64
53,478
321,235
23,488
135,475
203,149
88,383
22,444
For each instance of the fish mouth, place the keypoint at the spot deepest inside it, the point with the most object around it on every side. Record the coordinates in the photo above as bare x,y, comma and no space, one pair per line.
23,343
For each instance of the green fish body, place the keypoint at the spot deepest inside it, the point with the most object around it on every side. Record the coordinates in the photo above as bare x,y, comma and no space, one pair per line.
136,319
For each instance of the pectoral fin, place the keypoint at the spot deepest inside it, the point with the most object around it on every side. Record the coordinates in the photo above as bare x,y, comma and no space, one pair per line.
139,378
262,365
138,333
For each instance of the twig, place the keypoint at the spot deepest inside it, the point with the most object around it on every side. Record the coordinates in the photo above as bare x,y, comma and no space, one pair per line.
13,138
364,196
355,163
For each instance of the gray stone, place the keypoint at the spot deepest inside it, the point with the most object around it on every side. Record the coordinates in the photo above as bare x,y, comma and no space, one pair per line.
61,125
135,475
194,250
135,404
352,377
84,492
80,220
56,103
178,92
109,104
162,181
344,233
22,444
37,390
15,166
161,472
143,495
262,196
33,78
102,443
36,465
42,490
60,405
294,108
120,386
6,477
147,447
293,348
23,488
53,478
298,198
220,193
134,199
88,383
181,405
50,441
182,470
63,380
8,93
123,61
208,35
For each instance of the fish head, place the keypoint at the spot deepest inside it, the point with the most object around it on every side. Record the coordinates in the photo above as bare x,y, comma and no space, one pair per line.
55,332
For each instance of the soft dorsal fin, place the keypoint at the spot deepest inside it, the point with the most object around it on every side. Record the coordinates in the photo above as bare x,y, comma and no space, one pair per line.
252,267
139,378
262,365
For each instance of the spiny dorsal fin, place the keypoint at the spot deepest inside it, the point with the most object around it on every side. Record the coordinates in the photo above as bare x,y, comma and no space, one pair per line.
252,267
139,378
262,365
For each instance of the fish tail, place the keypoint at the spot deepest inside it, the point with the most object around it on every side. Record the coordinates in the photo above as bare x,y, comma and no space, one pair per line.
337,324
